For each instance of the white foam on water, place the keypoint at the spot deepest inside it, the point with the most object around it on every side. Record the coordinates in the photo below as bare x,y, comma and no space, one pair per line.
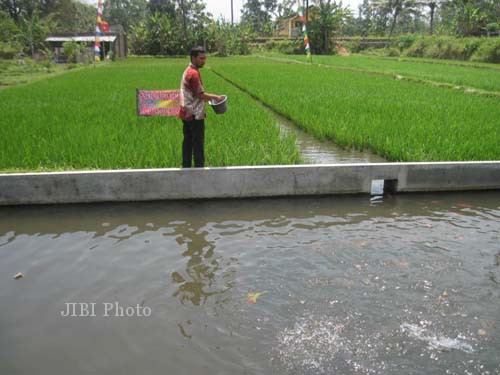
435,341
309,344
331,345
322,345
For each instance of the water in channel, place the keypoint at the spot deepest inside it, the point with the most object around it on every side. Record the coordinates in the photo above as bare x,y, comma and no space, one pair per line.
332,285
315,151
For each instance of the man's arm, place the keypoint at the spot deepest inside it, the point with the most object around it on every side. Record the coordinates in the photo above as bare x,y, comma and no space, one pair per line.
197,89
206,97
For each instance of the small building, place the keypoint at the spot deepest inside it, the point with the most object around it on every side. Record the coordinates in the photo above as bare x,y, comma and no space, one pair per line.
292,27
115,41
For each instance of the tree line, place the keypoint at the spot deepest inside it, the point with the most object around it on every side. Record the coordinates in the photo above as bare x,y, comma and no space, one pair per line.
382,17
450,17
170,27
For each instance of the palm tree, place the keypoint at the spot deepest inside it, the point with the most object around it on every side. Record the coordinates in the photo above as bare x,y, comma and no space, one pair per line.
432,4
396,8
331,16
184,26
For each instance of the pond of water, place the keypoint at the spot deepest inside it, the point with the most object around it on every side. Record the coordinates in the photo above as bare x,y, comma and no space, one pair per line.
334,285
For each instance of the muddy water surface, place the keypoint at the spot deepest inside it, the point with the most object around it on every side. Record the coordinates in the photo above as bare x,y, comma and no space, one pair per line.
407,285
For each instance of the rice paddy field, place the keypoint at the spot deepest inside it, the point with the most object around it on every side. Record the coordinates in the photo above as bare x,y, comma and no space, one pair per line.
401,120
472,75
87,119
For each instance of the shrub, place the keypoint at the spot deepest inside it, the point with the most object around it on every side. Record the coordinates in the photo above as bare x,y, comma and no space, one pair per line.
493,27
417,49
70,49
393,52
225,39
354,46
489,51
9,31
406,41
382,52
444,47
287,47
471,46
8,51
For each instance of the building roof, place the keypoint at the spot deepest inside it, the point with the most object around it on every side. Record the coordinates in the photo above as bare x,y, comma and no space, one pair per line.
85,38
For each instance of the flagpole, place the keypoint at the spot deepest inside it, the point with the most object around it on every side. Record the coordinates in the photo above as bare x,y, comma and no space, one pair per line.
307,27
232,17
304,31
307,13
98,28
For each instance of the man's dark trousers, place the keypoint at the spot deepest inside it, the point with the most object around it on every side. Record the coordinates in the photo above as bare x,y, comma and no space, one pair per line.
194,143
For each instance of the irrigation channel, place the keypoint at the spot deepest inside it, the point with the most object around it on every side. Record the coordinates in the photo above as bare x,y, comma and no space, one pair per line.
410,285
312,150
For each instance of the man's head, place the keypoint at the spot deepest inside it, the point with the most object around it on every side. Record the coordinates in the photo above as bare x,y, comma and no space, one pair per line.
198,56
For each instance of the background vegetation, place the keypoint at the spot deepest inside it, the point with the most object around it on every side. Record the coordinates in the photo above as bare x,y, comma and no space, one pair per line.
171,27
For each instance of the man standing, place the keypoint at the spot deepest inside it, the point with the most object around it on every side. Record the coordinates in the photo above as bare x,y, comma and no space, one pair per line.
193,98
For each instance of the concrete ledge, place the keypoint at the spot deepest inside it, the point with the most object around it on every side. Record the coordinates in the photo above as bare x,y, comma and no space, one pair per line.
242,182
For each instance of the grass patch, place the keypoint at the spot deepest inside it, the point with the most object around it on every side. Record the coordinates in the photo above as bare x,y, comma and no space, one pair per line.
14,72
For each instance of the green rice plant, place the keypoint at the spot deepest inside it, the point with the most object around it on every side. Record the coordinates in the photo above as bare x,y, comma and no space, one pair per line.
400,120
87,119
484,77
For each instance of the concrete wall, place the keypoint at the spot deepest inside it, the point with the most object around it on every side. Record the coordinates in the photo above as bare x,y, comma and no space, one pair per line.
242,182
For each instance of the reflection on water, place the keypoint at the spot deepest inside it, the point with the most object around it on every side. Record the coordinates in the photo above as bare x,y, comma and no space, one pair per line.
406,285
197,281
